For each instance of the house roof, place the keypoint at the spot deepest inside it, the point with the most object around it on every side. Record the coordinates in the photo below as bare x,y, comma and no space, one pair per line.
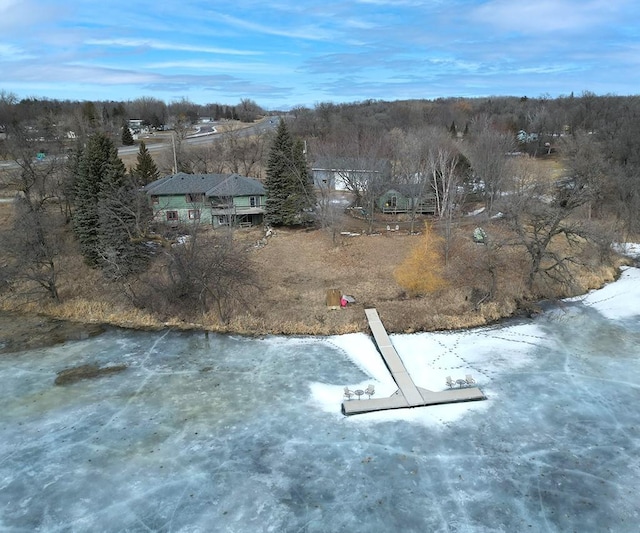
351,164
236,185
207,184
409,189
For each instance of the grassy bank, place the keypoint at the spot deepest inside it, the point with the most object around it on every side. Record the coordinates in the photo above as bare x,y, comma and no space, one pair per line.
297,268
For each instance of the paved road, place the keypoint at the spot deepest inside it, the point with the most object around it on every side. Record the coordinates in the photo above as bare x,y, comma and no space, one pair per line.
207,135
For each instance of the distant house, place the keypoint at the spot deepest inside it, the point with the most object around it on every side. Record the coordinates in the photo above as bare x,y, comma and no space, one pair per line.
407,198
218,199
136,124
343,174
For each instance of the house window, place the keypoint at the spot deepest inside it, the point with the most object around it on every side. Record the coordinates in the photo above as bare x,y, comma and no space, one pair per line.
254,201
194,198
172,215
155,200
194,214
223,220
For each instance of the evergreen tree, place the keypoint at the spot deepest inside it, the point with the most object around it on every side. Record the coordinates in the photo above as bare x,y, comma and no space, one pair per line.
122,211
127,138
289,186
91,168
145,170
108,216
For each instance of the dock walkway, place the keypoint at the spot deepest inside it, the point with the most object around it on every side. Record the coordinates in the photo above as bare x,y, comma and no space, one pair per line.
408,394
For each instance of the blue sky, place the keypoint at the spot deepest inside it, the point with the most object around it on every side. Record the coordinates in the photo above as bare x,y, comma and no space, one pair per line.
283,53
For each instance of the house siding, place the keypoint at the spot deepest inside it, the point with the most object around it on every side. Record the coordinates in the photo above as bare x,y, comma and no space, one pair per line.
171,199
394,201
179,204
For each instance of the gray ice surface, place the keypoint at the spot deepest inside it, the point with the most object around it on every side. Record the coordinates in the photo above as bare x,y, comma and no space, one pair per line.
219,434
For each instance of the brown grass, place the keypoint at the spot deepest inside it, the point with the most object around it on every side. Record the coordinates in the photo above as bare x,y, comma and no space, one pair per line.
298,267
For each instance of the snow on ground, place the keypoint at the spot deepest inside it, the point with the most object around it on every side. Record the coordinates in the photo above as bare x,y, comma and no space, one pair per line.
630,249
617,300
429,358
621,299
220,433
484,353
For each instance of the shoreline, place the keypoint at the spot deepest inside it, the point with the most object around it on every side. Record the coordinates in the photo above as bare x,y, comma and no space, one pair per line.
23,330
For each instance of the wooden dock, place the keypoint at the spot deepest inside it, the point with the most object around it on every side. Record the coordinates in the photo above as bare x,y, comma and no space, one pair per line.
408,394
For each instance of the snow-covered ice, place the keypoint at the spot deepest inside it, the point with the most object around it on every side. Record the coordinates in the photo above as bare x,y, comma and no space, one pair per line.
223,433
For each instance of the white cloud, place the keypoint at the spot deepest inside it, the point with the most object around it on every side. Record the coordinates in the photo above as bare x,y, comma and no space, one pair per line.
396,3
323,50
306,32
160,45
16,16
9,52
547,16
225,66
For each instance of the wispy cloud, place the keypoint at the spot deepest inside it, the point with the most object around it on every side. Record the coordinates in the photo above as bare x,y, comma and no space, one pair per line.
306,32
548,16
9,52
287,52
224,66
16,15
397,3
162,45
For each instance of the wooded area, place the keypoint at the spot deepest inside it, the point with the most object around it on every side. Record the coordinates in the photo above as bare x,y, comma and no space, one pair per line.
551,181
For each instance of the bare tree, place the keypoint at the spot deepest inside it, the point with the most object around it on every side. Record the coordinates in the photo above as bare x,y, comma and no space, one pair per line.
330,210
410,167
245,154
488,153
361,163
427,162
585,165
248,110
444,162
32,245
182,127
542,219
201,274
205,158
231,152
30,250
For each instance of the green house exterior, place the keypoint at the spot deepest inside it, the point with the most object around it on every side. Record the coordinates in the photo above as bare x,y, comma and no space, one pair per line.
402,199
217,199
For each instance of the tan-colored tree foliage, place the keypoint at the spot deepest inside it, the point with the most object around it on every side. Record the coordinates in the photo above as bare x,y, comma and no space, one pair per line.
422,271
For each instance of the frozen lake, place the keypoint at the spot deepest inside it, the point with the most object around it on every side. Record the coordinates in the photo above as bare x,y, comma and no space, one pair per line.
228,434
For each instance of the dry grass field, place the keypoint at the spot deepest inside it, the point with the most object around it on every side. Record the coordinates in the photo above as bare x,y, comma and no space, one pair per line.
297,268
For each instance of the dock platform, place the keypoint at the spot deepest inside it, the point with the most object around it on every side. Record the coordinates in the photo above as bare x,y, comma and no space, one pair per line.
408,394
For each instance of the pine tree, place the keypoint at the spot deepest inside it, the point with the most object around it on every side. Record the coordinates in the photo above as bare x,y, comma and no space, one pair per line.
127,138
91,168
107,218
119,218
145,170
289,187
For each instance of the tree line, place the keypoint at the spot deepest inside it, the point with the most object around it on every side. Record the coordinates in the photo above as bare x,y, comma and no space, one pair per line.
457,150
467,151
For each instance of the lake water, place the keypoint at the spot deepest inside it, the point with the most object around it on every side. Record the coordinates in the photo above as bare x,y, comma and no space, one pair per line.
229,434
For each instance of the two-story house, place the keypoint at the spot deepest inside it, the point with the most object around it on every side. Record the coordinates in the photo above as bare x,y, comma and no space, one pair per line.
218,199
